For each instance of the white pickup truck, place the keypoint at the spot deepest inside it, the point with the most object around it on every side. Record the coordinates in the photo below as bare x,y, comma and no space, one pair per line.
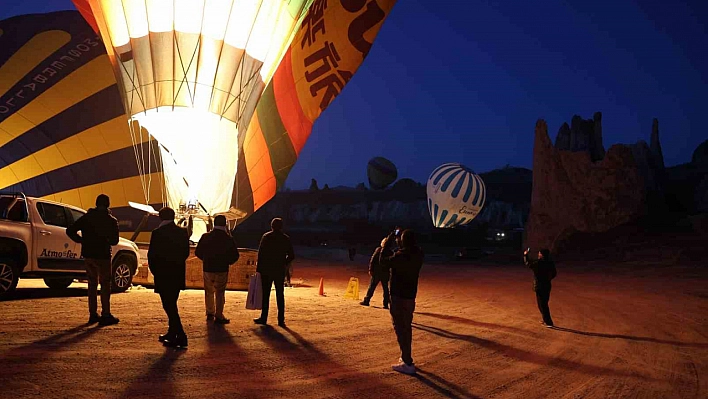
34,244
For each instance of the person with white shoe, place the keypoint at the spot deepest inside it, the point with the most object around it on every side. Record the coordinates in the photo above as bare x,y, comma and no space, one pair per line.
405,264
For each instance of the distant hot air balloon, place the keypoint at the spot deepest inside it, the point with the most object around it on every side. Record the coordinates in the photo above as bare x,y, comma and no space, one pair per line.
455,195
381,172
230,89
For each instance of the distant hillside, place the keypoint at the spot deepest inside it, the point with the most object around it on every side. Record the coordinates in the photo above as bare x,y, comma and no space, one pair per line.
354,214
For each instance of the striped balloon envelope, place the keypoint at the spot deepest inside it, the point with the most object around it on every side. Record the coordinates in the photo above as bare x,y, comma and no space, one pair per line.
455,195
231,89
80,93
381,172
64,135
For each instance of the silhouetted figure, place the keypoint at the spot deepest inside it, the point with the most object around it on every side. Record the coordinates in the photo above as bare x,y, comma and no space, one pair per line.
378,273
217,250
405,264
544,270
275,252
99,231
167,257
352,253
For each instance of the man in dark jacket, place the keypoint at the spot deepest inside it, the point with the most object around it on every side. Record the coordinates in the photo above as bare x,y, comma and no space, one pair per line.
167,256
99,231
405,264
544,270
217,250
275,252
378,273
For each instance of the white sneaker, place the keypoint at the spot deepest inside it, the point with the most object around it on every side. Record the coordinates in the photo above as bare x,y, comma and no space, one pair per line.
404,368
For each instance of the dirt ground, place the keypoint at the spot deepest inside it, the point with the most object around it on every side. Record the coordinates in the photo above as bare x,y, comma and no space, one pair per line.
624,331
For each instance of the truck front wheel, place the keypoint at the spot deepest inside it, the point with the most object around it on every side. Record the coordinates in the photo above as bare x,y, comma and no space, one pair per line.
58,283
8,277
122,273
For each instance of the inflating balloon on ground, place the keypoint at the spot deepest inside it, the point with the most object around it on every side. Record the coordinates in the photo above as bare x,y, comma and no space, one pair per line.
218,98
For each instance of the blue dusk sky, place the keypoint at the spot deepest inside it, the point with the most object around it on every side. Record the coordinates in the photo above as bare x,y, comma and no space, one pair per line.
465,81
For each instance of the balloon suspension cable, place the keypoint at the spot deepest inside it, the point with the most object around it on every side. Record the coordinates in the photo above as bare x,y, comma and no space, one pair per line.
138,155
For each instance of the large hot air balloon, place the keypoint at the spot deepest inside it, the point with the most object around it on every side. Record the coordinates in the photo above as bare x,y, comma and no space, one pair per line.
455,195
230,89
381,172
64,135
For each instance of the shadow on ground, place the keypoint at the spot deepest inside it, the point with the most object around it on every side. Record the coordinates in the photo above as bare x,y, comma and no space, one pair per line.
527,356
632,338
442,386
44,293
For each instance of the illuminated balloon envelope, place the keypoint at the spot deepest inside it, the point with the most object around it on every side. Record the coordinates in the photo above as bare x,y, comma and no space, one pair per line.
381,172
231,89
455,195
191,72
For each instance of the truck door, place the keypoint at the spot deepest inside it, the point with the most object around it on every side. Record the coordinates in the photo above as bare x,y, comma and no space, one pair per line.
54,250
74,215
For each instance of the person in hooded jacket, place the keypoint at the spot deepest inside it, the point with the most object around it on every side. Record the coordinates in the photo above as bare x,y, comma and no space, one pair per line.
378,273
99,231
405,264
544,270
217,250
167,259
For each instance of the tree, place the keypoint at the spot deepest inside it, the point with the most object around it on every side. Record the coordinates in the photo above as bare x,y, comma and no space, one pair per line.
313,185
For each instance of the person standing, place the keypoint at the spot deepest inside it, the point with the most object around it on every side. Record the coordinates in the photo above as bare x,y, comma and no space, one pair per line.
99,231
275,253
544,270
405,264
167,257
378,273
217,250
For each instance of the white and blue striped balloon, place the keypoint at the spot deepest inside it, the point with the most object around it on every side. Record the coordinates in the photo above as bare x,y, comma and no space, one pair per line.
455,195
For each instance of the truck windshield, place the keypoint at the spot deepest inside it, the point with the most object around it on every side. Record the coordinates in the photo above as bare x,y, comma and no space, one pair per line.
13,209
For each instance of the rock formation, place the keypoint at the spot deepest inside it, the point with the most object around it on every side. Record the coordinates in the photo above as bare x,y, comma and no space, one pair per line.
572,192
582,135
563,137
699,160
655,146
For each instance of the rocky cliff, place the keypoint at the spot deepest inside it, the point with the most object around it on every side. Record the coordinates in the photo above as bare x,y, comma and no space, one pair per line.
578,187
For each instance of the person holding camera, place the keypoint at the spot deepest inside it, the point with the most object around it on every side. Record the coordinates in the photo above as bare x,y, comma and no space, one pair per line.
405,264
544,270
378,273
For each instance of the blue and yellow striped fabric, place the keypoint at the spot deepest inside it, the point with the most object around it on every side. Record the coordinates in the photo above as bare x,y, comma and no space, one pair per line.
64,134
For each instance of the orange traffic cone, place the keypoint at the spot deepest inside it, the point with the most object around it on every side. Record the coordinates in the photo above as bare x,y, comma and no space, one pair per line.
321,292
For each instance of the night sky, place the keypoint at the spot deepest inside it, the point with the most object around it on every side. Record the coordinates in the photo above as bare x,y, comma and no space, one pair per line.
465,82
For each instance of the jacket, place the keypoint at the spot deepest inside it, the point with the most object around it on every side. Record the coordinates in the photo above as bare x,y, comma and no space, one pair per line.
275,252
376,268
99,231
217,250
405,265
167,257
543,272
